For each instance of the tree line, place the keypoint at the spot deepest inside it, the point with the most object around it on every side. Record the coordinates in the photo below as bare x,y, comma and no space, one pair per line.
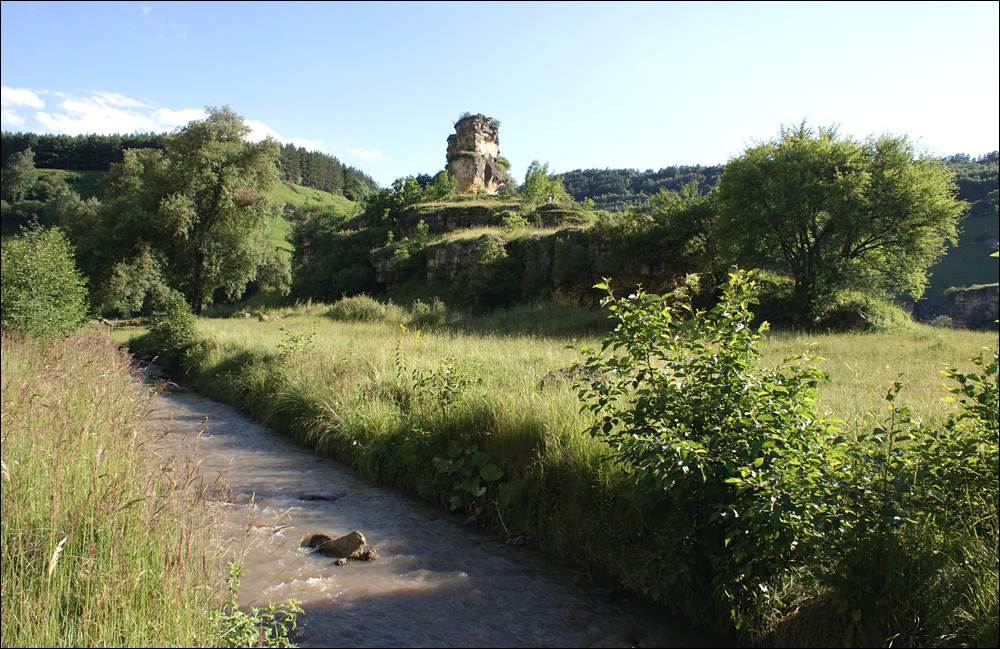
98,152
621,189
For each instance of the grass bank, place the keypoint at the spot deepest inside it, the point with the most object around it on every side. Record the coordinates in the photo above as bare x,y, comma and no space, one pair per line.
427,405
98,548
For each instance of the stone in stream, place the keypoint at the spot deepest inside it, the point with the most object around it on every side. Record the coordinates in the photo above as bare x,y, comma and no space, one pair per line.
349,546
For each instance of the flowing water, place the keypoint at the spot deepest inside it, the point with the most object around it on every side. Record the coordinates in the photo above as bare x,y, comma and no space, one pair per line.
437,582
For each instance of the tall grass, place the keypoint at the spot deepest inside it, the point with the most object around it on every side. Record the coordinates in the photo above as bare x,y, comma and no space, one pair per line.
98,546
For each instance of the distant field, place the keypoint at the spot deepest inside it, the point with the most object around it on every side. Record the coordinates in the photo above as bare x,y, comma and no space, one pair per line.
511,362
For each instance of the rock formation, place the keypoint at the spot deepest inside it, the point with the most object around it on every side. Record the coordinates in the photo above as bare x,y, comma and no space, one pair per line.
975,307
474,155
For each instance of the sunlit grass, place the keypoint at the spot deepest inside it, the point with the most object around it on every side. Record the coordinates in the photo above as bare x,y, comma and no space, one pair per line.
98,548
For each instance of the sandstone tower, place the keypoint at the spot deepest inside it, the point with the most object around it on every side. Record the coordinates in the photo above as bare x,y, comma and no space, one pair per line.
474,155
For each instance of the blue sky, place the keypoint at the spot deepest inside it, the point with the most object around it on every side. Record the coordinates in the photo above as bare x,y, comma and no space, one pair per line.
576,84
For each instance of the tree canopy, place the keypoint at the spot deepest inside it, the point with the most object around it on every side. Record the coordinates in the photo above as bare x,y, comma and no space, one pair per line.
836,213
192,217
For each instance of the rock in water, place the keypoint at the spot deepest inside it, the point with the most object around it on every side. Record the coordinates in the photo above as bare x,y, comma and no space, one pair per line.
340,548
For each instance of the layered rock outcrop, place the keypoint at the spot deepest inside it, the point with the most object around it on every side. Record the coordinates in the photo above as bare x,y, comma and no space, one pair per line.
474,155
975,307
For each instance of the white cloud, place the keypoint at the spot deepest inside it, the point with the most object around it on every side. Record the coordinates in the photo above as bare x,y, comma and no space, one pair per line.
106,112
145,9
368,154
174,118
19,97
10,118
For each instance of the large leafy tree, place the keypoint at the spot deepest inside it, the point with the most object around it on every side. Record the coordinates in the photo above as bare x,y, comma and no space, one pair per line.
837,213
198,210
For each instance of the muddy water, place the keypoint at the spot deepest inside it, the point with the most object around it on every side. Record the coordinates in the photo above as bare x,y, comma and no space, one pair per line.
437,582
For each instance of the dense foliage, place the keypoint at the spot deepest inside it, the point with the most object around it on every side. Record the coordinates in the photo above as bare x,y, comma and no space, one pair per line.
43,293
755,490
836,213
98,152
193,217
621,189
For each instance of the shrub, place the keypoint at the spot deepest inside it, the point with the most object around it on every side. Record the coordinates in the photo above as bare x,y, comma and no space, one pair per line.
428,313
942,321
273,626
173,330
42,292
362,308
490,250
512,222
855,311
676,393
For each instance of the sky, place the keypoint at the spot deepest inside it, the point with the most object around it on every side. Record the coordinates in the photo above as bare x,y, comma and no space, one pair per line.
577,85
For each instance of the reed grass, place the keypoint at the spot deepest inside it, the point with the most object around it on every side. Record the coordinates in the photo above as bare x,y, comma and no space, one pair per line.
99,545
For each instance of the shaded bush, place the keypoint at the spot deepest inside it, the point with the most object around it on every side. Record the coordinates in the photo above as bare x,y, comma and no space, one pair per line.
855,311
173,333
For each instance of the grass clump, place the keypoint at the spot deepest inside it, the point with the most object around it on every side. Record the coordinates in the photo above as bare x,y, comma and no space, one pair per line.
362,308
98,548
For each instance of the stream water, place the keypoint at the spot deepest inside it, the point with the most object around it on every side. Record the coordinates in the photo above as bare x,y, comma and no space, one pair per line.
437,582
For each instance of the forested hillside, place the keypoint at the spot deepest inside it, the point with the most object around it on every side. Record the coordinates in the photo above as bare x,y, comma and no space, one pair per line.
98,152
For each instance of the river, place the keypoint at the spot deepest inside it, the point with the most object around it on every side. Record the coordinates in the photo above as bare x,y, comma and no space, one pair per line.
438,582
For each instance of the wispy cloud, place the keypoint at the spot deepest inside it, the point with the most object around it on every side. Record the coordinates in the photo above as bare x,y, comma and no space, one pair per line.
10,117
19,97
368,155
106,112
145,9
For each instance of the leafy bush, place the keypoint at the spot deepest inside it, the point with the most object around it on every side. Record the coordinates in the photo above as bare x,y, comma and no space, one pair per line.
362,308
855,311
490,250
42,292
173,330
428,313
942,321
676,393
890,528
512,222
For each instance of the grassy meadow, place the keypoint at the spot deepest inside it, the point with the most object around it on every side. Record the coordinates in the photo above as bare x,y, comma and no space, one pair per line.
392,390
98,547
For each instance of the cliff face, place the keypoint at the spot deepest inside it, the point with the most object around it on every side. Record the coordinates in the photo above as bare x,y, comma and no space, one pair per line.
473,155
975,308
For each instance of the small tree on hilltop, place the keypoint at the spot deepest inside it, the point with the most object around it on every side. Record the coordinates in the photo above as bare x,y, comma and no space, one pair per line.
540,187
836,213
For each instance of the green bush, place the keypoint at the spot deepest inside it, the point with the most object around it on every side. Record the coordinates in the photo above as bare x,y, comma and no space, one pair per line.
423,313
43,294
362,308
766,509
173,333
856,311
677,394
